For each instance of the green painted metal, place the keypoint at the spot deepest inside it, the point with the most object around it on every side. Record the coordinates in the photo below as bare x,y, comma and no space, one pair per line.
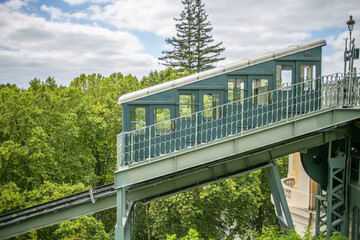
57,217
234,155
331,205
338,196
281,206
264,140
267,108
125,216
315,163
336,215
321,209
354,211
354,185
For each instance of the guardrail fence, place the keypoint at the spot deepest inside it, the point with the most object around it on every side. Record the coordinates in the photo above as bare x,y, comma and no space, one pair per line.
238,117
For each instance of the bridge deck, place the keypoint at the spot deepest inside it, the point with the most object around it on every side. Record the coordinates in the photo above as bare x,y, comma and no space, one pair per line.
56,211
231,156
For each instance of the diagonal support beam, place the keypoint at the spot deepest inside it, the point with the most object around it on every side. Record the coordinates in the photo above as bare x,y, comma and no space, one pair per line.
281,206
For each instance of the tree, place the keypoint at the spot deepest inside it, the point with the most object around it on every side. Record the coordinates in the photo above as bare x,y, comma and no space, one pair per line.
192,49
52,135
205,53
156,77
231,207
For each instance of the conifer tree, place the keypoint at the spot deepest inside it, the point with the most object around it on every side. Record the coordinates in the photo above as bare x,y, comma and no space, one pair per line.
192,47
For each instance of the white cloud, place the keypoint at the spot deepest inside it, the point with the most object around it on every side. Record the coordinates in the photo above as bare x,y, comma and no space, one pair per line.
58,15
79,2
12,5
252,28
55,13
39,48
247,28
141,15
35,47
335,62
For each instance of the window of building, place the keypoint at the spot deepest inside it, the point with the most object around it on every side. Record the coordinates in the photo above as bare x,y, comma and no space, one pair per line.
307,77
137,118
210,102
259,89
162,120
236,90
283,76
187,105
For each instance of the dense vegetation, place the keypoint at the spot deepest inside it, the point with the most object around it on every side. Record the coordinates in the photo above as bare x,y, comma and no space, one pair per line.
268,233
56,140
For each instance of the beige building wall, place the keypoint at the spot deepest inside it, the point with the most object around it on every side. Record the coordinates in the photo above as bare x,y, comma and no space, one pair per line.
300,193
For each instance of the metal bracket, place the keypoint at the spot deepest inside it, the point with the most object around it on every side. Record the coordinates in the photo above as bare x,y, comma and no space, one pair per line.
91,193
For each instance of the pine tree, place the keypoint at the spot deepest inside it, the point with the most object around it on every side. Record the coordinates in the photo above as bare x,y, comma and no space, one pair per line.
191,46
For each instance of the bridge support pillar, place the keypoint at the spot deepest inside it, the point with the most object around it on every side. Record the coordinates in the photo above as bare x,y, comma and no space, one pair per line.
331,206
281,206
124,216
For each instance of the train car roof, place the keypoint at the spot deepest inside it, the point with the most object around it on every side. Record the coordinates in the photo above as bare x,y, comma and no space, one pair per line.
219,70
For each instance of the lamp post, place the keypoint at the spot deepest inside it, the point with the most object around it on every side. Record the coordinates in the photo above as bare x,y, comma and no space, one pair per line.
350,24
349,55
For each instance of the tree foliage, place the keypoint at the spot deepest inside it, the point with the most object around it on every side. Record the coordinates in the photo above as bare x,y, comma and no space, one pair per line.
55,140
272,233
192,48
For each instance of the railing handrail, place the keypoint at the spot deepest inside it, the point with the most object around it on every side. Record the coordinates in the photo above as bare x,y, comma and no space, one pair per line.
330,86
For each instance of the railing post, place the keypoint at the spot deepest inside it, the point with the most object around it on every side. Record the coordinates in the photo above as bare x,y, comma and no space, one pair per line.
287,105
242,118
120,150
149,143
196,128
132,147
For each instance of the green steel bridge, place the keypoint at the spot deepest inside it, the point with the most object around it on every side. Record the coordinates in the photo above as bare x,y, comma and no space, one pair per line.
198,154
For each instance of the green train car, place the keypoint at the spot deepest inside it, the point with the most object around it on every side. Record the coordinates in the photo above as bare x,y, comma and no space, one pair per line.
220,96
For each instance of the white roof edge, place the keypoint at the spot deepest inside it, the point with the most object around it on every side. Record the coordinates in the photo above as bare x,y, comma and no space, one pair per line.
219,70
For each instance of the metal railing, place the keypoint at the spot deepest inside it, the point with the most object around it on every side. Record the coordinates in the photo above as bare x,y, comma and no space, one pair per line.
288,184
238,117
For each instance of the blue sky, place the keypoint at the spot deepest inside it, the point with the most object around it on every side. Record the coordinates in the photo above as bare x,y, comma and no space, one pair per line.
65,38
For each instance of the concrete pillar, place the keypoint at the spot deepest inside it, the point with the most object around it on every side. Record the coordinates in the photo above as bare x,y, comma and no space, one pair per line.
300,193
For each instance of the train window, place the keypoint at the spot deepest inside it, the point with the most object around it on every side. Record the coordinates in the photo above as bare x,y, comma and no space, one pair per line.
211,101
161,119
283,76
259,89
187,105
307,76
236,90
137,118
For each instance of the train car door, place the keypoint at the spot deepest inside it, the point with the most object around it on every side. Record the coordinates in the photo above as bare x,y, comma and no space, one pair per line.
161,134
139,135
259,108
187,120
237,92
309,90
211,118
284,98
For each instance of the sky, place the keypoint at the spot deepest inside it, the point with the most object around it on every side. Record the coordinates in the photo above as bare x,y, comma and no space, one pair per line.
66,38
